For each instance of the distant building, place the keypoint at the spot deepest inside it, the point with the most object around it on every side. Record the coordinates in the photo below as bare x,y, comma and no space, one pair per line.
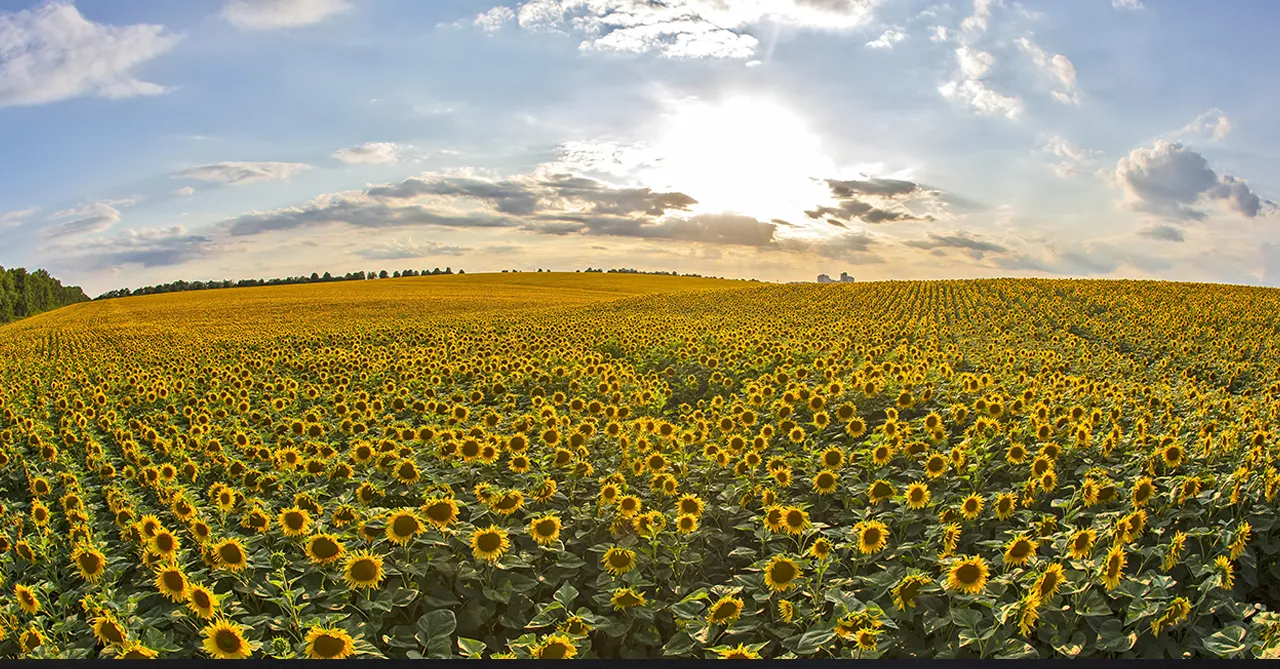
823,278
844,278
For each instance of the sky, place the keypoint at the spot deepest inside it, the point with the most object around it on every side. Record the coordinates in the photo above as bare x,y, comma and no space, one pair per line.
145,141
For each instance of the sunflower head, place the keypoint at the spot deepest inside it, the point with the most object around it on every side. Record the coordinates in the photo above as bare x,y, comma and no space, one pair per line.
328,643
726,610
872,536
739,652
821,549
202,601
626,598
363,570
555,647
403,526
971,506
1019,550
490,544
917,496
781,573
545,529
618,561
968,574
225,640
230,554
880,490
324,548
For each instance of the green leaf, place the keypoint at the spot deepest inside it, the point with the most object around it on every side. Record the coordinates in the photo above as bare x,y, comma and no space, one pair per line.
1017,649
435,629
680,644
967,618
546,617
1226,643
566,594
812,641
1112,637
471,648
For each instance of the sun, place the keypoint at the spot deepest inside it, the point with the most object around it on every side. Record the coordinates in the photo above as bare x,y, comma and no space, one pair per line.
746,155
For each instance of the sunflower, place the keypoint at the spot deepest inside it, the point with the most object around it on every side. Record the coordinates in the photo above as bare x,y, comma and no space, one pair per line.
872,536
324,549
904,593
832,458
1016,454
628,506
172,583
690,505
968,574
202,601
824,482
1113,567
618,561
625,598
31,639
935,466
164,543
880,490
950,538
109,631
294,521
1226,572
575,626
363,570
781,573
329,643
225,640
1080,546
786,611
866,638
555,647
1143,491
726,610
1176,612
403,526
917,495
490,544
738,652
507,502
1173,456
821,549
407,472
136,651
230,554
545,529
795,520
1244,532
686,523
1019,550
27,599
882,454
972,506
90,562
1050,580
1006,505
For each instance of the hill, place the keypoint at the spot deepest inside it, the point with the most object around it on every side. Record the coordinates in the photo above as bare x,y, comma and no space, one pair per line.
24,294
645,466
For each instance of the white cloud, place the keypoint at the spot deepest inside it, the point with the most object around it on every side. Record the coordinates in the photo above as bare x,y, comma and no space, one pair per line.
686,28
1126,4
394,249
52,53
1057,66
493,20
371,153
235,173
939,34
887,39
276,14
89,219
984,100
976,23
10,219
185,191
1074,158
1171,180
974,63
1214,122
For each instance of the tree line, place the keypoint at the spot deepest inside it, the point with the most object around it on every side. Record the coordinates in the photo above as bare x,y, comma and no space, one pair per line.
24,293
183,286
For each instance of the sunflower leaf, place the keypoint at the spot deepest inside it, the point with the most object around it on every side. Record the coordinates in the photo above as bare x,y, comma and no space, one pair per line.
435,631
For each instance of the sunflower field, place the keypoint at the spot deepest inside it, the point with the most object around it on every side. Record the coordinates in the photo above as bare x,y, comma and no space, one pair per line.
622,466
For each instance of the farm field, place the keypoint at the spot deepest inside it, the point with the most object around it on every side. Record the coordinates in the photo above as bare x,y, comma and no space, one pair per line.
601,466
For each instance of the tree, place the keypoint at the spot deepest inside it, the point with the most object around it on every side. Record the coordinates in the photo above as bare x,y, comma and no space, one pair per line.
383,274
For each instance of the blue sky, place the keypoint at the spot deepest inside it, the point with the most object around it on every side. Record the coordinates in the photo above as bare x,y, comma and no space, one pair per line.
143,141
